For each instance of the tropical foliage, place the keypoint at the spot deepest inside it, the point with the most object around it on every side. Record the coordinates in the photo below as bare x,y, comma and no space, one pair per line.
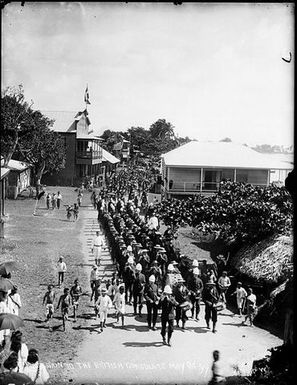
26,135
238,214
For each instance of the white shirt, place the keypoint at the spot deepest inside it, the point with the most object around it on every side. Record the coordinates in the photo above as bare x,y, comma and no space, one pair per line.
119,301
62,267
31,370
153,223
240,293
4,309
224,281
103,303
98,241
94,276
22,356
15,303
251,299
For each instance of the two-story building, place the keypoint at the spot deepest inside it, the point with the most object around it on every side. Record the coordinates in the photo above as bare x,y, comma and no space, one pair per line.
83,151
199,167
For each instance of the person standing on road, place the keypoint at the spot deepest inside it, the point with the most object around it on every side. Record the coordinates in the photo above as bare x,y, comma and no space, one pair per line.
129,277
48,301
102,305
211,298
167,304
62,268
97,247
217,370
59,199
152,301
65,301
251,306
15,301
120,304
195,286
54,201
138,289
94,280
241,295
75,292
75,212
224,283
79,198
48,200
181,295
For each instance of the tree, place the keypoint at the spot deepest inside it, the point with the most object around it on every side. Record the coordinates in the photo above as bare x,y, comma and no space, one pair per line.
227,140
162,130
41,147
14,115
238,214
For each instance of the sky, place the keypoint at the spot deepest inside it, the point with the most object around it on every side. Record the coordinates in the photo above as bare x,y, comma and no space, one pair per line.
211,70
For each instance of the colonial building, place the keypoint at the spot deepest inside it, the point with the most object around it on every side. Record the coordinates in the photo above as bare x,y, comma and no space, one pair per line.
199,167
83,151
18,179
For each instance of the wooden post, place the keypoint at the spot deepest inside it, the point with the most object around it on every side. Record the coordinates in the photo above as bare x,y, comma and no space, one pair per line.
234,175
201,178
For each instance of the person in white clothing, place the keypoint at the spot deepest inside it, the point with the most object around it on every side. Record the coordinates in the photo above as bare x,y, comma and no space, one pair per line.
62,268
94,280
4,334
251,306
35,369
241,295
120,304
20,348
15,301
217,369
153,223
224,283
102,305
98,243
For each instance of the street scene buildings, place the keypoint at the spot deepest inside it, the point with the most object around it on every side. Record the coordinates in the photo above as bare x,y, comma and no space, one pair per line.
147,194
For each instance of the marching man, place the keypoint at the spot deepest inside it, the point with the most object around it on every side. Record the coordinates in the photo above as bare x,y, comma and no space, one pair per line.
97,247
102,305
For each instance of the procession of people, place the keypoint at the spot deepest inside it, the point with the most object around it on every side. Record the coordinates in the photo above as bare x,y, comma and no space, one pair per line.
153,279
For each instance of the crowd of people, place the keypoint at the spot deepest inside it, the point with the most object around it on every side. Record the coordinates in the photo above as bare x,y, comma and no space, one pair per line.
151,269
18,364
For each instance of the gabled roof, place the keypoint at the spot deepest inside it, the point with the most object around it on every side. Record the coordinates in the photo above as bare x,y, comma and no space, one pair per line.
221,155
107,157
15,165
4,171
64,120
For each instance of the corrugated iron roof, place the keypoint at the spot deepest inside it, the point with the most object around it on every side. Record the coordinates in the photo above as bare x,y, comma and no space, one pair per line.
16,165
4,171
221,155
63,119
107,157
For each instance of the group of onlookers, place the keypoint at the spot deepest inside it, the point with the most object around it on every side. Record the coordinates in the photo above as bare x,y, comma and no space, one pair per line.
18,364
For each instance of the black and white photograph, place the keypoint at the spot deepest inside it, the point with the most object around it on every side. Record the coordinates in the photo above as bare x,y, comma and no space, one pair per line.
147,193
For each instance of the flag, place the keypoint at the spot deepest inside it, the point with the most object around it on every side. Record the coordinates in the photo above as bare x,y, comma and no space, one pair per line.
87,101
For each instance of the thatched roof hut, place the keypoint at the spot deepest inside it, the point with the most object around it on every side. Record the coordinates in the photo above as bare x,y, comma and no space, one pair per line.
269,261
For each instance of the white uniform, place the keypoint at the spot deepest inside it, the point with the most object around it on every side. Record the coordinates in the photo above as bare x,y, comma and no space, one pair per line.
103,304
97,246
241,294
119,302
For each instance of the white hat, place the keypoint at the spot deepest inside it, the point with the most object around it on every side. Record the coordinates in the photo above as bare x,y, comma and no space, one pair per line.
195,263
129,248
152,278
170,267
130,260
196,271
103,289
174,263
167,289
138,267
